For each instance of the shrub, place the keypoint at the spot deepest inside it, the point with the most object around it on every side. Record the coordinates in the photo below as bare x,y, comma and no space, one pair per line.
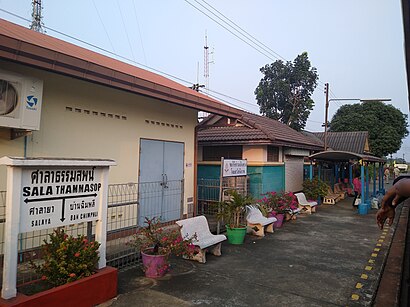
315,188
67,259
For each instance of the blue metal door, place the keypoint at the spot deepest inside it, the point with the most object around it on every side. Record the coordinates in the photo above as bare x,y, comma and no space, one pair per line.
160,180
173,173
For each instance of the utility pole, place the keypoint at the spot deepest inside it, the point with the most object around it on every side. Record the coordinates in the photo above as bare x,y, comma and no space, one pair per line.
36,15
326,111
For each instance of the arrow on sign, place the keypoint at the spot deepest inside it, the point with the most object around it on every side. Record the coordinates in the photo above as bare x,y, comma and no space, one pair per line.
31,200
62,211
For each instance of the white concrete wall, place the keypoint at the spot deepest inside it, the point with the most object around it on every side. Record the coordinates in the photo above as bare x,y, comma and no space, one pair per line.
79,135
258,153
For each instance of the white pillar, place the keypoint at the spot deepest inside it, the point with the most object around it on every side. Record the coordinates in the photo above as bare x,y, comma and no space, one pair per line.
101,224
11,231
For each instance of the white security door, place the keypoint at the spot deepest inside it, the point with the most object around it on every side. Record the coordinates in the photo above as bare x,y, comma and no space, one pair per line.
160,180
293,173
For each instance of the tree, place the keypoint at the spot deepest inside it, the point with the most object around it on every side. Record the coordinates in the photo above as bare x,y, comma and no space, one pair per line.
284,92
387,126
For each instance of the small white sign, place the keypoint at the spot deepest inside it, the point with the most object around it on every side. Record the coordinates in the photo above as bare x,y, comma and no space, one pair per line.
54,197
234,168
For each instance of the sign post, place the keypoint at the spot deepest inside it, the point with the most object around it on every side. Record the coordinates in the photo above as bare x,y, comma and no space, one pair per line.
50,193
230,168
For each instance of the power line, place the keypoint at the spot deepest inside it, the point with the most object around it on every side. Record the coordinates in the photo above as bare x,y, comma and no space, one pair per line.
241,31
140,64
105,30
132,61
125,28
239,100
253,47
139,31
229,103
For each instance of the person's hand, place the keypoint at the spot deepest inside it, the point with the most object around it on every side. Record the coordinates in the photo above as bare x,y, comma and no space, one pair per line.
385,213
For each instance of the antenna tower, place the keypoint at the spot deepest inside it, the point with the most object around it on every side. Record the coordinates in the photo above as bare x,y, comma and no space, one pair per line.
37,22
206,63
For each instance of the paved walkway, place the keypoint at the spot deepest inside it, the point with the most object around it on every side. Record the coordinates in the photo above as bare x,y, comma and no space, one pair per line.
331,258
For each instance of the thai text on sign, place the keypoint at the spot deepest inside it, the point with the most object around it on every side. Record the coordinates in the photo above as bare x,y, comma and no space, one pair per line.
233,168
54,197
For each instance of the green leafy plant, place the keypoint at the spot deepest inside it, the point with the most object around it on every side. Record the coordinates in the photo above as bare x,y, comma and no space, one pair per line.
315,188
162,241
67,258
232,210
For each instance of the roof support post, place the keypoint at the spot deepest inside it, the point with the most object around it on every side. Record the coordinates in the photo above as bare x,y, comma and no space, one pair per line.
362,182
311,171
350,173
367,183
374,180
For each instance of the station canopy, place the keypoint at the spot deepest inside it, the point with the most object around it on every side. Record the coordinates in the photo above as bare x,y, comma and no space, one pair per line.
343,156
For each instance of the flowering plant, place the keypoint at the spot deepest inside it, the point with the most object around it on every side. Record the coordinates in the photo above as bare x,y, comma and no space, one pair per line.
158,240
67,259
279,202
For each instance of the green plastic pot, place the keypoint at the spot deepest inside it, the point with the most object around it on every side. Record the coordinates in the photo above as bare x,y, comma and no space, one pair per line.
235,235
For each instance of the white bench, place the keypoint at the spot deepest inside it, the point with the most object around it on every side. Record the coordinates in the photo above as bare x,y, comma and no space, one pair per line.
304,205
205,240
257,222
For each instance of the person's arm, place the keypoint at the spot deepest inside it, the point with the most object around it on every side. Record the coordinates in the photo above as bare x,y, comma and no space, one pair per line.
399,192
387,210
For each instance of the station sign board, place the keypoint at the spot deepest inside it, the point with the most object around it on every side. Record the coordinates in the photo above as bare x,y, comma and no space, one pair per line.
58,196
234,168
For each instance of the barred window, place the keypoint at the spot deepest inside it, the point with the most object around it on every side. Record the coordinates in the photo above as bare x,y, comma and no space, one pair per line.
214,153
273,154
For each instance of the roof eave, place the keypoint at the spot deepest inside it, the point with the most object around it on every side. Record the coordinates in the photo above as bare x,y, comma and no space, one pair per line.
50,60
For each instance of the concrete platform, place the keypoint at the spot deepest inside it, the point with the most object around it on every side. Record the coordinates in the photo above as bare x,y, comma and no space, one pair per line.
331,258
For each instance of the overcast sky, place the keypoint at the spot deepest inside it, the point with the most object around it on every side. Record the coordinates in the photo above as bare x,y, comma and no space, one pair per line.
356,46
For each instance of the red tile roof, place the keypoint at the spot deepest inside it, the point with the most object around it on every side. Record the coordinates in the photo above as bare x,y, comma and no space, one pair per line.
28,47
257,129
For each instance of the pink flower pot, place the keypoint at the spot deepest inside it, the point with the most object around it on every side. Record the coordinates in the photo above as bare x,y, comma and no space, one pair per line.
279,222
154,265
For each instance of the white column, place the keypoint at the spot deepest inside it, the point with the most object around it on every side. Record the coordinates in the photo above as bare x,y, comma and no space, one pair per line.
101,225
11,231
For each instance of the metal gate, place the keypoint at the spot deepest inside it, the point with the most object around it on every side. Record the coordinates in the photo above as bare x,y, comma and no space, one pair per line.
124,201
293,173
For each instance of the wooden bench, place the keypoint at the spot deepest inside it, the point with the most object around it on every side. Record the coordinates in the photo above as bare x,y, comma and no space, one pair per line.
330,198
257,222
339,190
305,205
205,240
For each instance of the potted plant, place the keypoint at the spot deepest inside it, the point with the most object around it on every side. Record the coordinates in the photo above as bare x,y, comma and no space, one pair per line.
231,212
315,189
157,243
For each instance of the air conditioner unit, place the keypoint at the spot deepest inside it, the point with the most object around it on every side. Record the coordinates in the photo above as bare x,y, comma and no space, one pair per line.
20,101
